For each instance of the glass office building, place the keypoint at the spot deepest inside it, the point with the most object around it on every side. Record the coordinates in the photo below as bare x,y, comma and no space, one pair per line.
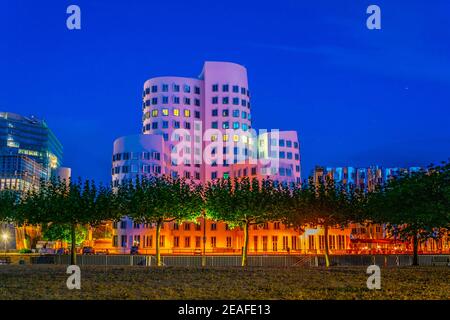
29,152
27,138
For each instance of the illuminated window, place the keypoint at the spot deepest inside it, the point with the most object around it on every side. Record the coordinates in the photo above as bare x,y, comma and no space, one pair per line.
275,243
176,112
235,138
165,112
228,242
154,113
225,137
187,113
214,137
176,242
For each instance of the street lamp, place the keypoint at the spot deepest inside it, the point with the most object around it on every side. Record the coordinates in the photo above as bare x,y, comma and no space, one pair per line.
5,240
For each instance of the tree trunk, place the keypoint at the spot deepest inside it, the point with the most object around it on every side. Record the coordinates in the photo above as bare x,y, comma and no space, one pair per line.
245,248
73,252
158,253
204,240
327,258
415,250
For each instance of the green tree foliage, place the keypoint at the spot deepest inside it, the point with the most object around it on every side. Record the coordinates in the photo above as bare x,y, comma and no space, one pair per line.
8,201
63,203
241,203
158,200
63,232
414,206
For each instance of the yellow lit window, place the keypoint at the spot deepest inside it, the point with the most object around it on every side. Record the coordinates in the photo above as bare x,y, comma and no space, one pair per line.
176,112
165,112
225,137
213,137
154,113
235,138
244,139
187,113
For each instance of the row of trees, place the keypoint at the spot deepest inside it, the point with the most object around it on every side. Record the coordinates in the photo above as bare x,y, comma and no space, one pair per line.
415,206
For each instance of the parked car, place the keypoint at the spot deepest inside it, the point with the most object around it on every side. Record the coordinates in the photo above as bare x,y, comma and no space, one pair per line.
46,251
134,250
62,251
88,250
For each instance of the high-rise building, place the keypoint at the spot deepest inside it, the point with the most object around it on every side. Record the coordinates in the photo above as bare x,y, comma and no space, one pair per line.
30,137
29,152
201,129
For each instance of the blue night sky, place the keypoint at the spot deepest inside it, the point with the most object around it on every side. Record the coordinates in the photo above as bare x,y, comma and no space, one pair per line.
357,97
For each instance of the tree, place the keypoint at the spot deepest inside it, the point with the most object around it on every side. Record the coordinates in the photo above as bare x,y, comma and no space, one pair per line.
8,201
63,232
67,203
323,203
241,203
158,200
415,206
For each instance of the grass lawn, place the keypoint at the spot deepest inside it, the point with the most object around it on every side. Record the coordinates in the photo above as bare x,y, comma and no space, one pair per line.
49,282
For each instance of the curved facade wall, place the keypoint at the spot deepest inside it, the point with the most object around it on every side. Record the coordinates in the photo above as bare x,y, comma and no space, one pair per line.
206,122
136,156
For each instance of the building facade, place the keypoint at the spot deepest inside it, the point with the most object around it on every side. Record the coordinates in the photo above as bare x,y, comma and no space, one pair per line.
29,152
201,129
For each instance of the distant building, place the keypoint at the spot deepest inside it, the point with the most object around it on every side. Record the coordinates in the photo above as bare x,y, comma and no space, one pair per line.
365,178
29,152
